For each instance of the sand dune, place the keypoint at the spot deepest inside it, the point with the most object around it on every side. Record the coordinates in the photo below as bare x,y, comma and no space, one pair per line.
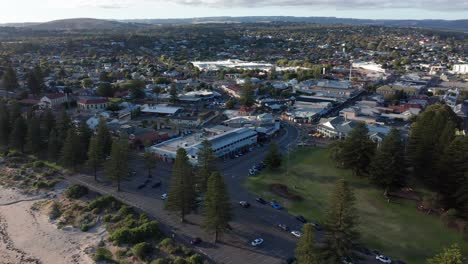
27,236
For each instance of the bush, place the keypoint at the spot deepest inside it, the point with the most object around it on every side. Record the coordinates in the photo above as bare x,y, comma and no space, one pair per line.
38,164
102,254
449,216
121,235
76,191
85,227
41,185
103,202
121,253
160,261
141,250
195,259
107,218
54,212
179,260
125,210
137,234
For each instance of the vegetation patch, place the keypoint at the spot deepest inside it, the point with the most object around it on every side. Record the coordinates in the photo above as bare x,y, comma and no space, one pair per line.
283,191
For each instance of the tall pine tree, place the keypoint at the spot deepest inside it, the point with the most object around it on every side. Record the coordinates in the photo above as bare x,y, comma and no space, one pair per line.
149,161
356,151
117,165
217,209
388,167
307,251
104,139
94,156
4,124
453,175
63,124
53,146
70,155
18,134
206,165
341,224
10,80
433,130
33,137
48,120
181,193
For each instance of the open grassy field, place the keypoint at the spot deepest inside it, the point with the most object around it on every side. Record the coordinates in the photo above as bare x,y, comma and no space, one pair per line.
396,229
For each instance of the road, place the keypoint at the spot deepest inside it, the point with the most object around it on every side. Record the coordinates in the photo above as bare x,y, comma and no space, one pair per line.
247,224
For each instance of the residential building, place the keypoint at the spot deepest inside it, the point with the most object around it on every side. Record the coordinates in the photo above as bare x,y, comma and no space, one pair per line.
53,100
93,103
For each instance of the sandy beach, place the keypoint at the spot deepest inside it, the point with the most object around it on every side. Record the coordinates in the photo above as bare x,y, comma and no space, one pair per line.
28,236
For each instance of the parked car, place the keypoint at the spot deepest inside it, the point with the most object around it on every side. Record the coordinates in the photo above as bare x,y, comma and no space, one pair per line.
156,184
301,219
316,226
276,205
296,233
164,196
383,259
400,262
260,200
244,204
347,260
195,241
257,242
283,227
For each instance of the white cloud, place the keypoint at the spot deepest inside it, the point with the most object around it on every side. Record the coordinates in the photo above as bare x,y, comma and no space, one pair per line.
338,4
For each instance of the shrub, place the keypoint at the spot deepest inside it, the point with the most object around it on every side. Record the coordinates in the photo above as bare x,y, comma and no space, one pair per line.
107,218
160,261
179,260
125,210
103,202
102,254
449,216
121,253
85,227
41,185
141,250
137,234
195,259
76,191
54,212
38,164
121,235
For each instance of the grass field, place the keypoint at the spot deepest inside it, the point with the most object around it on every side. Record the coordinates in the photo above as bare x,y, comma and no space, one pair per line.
396,229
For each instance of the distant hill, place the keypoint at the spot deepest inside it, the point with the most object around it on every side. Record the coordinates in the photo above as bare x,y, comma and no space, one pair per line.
458,25
82,24
100,24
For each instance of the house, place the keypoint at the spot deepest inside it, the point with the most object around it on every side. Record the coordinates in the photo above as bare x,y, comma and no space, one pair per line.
93,103
53,100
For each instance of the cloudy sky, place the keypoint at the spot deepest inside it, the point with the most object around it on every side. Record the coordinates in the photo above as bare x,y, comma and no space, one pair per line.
45,10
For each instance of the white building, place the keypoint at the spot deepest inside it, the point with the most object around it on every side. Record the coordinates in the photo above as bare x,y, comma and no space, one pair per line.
226,143
460,68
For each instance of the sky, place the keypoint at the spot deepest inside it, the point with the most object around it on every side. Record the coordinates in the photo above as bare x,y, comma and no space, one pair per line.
46,10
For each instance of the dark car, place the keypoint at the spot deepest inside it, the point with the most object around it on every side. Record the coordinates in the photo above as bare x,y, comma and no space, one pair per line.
400,262
301,219
260,200
195,241
244,204
283,227
141,186
316,226
156,185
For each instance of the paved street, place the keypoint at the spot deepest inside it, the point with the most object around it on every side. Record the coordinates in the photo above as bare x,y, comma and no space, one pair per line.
257,221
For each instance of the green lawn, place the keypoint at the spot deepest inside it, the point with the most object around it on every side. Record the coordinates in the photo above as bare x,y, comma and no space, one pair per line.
397,229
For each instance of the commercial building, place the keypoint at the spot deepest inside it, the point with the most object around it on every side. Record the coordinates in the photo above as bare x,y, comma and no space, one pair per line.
225,142
460,68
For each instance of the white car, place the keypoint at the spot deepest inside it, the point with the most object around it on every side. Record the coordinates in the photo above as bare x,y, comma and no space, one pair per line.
296,233
257,242
164,196
383,259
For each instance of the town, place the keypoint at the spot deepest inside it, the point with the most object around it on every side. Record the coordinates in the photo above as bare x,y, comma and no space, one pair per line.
282,142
